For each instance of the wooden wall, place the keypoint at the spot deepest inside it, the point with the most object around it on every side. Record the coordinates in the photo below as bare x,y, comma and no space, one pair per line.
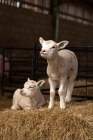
22,27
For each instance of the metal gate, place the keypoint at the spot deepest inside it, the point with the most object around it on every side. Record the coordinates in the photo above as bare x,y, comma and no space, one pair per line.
34,67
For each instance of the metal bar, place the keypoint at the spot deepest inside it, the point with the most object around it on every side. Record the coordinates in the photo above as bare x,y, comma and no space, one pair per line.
76,96
86,72
17,70
82,86
15,80
36,62
18,48
33,69
3,73
87,97
76,48
28,58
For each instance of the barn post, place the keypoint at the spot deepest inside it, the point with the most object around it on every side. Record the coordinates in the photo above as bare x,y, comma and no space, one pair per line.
3,71
54,11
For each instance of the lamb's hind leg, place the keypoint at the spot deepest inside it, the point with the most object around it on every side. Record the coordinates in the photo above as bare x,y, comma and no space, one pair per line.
70,87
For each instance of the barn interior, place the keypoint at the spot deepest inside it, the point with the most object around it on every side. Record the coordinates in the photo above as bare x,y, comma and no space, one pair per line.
22,22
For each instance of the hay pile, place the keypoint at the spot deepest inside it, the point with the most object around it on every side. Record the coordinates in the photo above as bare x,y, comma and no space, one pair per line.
74,123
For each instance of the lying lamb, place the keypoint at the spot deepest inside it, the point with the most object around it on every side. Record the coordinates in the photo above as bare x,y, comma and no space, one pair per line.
30,97
62,67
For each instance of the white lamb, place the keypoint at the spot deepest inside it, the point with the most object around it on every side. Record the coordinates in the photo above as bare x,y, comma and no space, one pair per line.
30,97
62,67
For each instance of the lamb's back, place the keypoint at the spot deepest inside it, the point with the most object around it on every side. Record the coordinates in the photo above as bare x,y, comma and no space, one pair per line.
70,60
66,53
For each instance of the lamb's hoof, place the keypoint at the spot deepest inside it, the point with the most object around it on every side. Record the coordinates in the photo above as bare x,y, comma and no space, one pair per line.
62,107
68,100
50,107
14,108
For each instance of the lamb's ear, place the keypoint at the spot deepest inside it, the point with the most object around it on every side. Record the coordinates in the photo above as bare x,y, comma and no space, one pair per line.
28,79
62,44
40,83
41,40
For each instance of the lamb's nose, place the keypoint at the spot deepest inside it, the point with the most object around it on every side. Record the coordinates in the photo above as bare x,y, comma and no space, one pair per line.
42,51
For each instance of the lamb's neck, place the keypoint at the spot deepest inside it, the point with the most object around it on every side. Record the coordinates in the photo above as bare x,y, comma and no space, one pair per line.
53,62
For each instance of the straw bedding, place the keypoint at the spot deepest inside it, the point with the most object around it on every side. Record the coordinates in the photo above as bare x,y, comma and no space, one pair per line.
73,123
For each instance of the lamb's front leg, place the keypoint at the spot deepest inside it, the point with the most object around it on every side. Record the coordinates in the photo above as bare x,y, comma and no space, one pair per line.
52,93
62,93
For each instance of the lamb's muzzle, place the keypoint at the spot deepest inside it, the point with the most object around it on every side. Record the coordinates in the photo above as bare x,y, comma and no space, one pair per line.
42,51
22,92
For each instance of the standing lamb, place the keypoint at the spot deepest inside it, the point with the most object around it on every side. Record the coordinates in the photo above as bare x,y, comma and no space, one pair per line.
62,67
30,97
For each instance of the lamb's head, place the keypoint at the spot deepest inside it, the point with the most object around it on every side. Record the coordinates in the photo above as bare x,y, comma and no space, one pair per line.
50,48
31,87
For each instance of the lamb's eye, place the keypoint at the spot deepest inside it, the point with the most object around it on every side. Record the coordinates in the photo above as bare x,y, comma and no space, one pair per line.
53,47
29,87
